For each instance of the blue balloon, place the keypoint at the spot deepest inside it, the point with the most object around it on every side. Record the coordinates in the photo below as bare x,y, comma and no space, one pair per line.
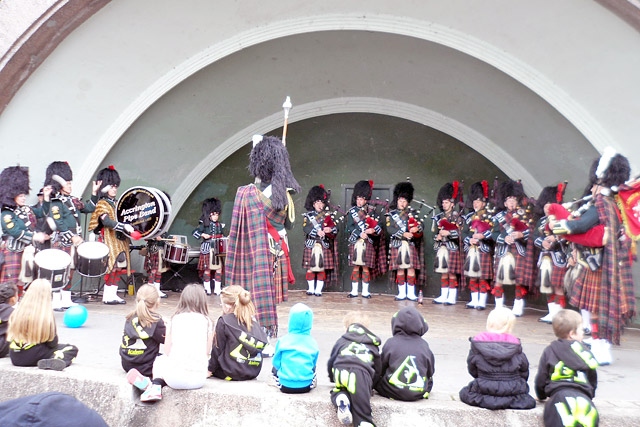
75,316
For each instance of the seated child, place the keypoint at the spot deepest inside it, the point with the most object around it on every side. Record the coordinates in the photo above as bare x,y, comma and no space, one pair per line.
499,367
8,298
296,354
407,361
183,366
32,332
567,375
144,331
354,366
236,354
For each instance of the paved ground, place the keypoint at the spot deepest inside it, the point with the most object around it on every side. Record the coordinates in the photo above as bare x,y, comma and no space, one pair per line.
449,330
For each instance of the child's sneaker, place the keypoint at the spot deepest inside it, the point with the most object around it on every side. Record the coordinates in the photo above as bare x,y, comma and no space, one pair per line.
53,364
152,394
138,380
344,409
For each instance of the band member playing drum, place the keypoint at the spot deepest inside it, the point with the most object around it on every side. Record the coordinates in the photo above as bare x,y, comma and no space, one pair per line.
447,243
320,252
363,232
210,231
552,261
111,232
153,262
18,227
478,245
65,210
258,252
511,234
405,248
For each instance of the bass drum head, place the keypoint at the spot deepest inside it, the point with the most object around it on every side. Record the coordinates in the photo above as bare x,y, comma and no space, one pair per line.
143,208
167,213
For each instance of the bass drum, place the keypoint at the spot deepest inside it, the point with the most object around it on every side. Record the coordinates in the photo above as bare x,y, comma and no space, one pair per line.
53,265
147,209
92,259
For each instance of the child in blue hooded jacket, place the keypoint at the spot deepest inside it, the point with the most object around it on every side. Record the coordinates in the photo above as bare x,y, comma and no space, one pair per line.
296,354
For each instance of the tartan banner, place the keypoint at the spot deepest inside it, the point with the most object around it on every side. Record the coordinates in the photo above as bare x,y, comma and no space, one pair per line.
628,200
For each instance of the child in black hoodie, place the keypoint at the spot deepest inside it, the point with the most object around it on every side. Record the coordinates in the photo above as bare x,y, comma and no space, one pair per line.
236,354
354,366
408,364
567,375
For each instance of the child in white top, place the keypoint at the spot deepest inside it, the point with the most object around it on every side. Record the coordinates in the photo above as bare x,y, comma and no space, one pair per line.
186,346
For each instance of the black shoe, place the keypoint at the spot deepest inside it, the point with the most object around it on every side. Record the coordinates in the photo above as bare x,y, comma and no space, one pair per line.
318,295
114,302
399,299
352,296
309,293
53,364
368,296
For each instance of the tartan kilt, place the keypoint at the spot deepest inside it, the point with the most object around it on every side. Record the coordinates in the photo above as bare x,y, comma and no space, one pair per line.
557,277
455,262
370,255
414,254
203,262
521,265
152,262
327,253
11,267
586,290
486,265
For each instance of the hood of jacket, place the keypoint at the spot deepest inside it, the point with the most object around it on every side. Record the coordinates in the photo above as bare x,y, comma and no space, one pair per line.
134,330
300,319
409,321
573,355
360,334
496,352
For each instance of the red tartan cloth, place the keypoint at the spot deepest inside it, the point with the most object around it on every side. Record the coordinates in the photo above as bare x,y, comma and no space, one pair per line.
454,263
486,265
521,265
249,262
330,262
417,262
11,267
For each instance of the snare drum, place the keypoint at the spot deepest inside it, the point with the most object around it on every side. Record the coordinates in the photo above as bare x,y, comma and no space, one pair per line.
177,253
92,259
53,265
220,246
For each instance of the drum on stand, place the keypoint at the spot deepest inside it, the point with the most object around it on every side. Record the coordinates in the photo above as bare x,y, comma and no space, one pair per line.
53,265
177,252
92,259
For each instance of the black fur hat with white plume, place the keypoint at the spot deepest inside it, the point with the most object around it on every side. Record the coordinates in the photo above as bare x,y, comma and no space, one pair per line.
57,175
109,177
209,206
611,170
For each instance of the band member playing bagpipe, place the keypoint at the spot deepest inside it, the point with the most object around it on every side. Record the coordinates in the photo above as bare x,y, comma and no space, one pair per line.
112,233
478,245
18,227
364,236
552,261
605,290
511,234
320,247
406,257
65,211
210,230
448,225
258,253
